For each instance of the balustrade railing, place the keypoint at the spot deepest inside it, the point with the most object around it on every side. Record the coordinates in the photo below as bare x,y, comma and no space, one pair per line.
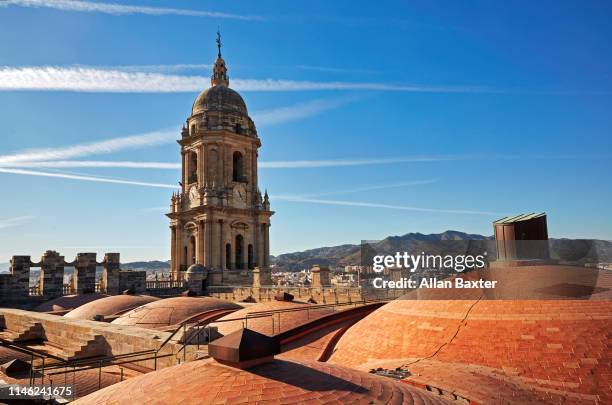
164,284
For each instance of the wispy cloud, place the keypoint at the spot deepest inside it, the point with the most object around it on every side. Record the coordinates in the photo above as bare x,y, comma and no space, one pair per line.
372,188
56,157
344,203
86,178
299,111
161,68
16,221
279,164
64,164
89,79
94,148
120,9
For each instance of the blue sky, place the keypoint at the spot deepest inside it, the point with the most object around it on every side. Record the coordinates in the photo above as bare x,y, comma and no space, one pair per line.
416,116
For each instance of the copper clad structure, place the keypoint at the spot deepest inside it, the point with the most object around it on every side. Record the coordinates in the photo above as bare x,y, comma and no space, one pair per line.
522,237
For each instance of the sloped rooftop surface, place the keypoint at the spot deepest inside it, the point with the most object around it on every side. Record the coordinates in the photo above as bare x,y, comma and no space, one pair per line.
278,382
67,302
275,322
112,305
519,218
537,349
171,311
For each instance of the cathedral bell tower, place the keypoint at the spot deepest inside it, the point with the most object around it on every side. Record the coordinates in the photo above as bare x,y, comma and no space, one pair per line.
219,218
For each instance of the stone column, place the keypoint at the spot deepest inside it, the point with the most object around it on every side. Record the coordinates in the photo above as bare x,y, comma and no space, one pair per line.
204,224
256,245
215,259
202,159
200,240
221,246
320,276
254,169
184,171
260,244
209,242
179,250
173,251
266,257
20,269
52,274
262,277
84,277
110,276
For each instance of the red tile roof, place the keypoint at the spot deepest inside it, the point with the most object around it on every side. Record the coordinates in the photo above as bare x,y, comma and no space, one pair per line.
67,302
279,382
556,343
276,322
115,304
172,311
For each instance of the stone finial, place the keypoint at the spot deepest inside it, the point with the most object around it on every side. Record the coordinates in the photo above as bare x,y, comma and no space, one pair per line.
219,76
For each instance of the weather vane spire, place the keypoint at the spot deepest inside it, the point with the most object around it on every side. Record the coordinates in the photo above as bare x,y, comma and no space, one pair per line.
219,43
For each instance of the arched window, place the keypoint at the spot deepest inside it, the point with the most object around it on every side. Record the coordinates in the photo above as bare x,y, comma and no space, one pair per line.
238,129
238,167
239,251
228,256
250,257
192,176
192,131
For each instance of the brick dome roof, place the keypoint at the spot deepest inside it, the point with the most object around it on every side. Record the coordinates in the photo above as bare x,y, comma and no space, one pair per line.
545,347
67,302
171,311
270,325
280,382
84,382
7,355
113,305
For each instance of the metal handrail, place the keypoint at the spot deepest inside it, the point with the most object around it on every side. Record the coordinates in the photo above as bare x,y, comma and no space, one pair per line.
262,314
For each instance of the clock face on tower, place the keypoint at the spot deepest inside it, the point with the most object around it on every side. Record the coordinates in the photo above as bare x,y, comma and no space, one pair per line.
240,196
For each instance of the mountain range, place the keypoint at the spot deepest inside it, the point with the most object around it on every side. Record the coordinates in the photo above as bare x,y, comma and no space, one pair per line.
350,254
581,251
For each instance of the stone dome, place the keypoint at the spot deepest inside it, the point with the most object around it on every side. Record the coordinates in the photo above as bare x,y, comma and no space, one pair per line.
219,98
67,302
270,325
113,305
197,269
533,347
278,382
172,311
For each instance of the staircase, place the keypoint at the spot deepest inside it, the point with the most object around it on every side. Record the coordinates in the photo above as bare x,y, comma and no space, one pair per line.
75,345
22,330
89,346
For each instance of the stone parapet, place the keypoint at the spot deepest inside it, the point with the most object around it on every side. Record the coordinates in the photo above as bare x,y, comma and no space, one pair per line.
84,276
320,276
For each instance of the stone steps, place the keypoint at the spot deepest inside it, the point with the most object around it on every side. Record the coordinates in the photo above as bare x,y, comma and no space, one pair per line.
22,330
75,345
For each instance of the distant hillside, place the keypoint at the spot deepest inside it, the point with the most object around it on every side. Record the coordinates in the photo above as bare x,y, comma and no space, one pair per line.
344,255
563,250
153,265
580,251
